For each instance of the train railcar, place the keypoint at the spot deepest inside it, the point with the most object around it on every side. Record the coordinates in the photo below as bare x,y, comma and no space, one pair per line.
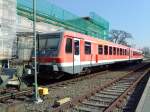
72,53
135,55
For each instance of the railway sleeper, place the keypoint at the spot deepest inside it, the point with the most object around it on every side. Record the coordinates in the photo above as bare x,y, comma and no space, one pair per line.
131,78
121,86
108,93
117,88
97,98
106,96
94,104
83,108
124,82
101,100
114,90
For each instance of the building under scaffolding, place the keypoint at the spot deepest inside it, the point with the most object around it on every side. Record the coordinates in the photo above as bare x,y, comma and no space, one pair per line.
51,14
16,19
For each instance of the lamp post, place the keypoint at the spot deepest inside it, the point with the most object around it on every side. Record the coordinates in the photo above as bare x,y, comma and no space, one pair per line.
37,98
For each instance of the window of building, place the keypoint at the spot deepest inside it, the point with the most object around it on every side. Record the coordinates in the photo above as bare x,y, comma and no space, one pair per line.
68,45
110,50
87,48
106,50
114,50
100,49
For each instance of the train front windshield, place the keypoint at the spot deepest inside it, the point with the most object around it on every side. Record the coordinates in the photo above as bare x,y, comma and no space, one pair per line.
48,44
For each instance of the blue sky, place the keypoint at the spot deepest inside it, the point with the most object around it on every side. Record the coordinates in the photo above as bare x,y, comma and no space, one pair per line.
132,16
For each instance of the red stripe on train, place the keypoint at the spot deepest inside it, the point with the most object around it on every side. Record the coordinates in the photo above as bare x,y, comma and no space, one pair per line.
49,59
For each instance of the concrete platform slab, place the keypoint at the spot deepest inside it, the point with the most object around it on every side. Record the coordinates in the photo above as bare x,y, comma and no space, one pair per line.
144,104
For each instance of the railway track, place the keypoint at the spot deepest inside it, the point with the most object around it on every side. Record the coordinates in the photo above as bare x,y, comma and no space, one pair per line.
6,94
107,97
74,80
15,95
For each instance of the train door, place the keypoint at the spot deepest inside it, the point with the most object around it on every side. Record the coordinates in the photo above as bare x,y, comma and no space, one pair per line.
76,56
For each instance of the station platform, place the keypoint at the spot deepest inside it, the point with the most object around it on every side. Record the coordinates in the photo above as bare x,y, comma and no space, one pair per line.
144,103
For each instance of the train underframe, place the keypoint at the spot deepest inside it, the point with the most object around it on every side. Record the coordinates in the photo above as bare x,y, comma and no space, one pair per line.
57,71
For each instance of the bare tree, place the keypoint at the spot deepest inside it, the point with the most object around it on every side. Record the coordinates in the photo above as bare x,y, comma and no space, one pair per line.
119,36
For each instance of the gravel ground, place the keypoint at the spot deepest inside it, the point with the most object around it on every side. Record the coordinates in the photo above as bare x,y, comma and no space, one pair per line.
72,90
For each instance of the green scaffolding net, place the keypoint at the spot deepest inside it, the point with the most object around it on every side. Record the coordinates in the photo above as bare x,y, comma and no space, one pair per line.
52,14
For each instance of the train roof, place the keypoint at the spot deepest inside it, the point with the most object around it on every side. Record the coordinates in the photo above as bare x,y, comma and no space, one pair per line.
90,39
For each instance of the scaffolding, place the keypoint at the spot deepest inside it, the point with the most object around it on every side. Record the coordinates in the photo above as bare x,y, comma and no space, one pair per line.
7,27
52,14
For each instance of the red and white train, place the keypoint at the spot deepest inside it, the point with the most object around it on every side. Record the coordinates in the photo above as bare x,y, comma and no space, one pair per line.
72,53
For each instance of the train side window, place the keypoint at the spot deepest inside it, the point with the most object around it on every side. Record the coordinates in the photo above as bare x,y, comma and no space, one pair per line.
134,53
68,45
117,51
106,50
100,49
76,47
120,51
128,52
87,48
110,50
114,50
125,52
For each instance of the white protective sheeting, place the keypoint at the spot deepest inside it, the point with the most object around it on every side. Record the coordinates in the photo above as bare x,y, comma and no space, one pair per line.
7,27
25,47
